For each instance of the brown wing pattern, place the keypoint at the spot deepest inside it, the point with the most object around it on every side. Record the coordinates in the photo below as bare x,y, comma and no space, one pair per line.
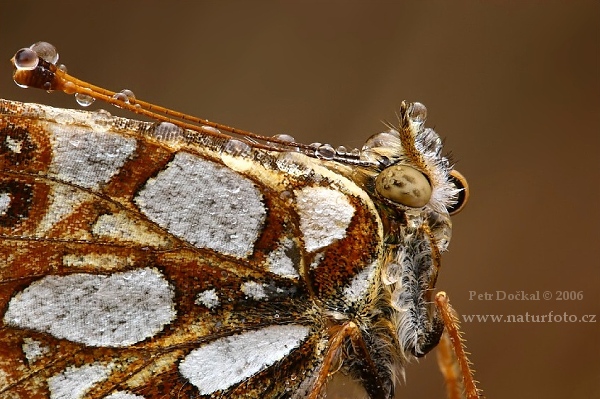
143,258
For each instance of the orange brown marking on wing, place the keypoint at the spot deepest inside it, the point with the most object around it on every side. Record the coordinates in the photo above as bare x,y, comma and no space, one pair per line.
346,257
148,159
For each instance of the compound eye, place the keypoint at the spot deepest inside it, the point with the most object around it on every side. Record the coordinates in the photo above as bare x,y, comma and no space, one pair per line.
404,185
463,196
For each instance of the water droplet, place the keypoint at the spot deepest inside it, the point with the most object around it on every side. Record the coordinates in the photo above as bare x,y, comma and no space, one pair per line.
210,130
21,85
284,137
418,113
26,59
325,151
341,150
168,131
103,113
355,152
67,119
45,51
69,88
236,147
382,140
62,67
237,155
47,86
313,148
84,100
101,120
129,94
121,97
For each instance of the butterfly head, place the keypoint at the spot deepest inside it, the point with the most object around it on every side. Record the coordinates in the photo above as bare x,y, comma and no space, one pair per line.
413,176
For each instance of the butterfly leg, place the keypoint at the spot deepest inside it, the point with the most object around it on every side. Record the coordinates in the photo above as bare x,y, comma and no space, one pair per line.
332,360
452,358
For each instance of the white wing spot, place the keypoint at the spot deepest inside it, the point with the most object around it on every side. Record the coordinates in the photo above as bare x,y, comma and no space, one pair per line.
227,361
86,158
33,349
123,395
13,145
324,216
254,290
4,203
359,286
75,382
279,261
317,260
206,204
208,298
97,310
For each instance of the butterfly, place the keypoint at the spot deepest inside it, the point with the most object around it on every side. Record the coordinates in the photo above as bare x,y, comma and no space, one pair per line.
182,258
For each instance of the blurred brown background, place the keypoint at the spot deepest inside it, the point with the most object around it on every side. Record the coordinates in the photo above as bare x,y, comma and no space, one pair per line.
514,87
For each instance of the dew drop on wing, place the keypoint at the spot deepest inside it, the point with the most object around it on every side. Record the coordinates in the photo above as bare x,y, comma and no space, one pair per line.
168,131
101,120
236,148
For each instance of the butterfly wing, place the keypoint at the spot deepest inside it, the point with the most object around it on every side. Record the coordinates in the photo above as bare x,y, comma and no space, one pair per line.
139,260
